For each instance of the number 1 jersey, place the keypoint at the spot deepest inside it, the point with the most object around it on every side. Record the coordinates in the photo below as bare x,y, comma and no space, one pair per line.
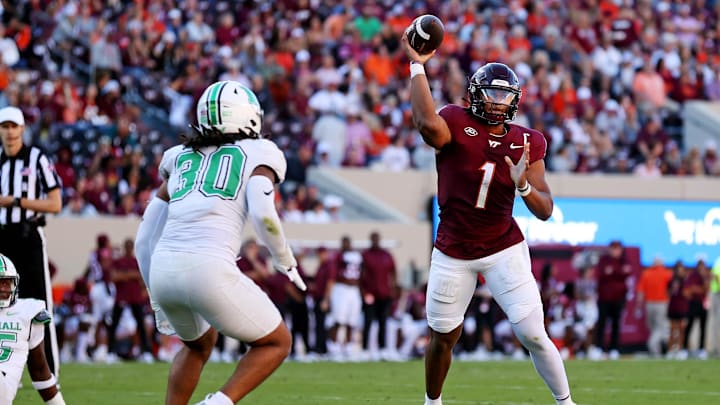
475,191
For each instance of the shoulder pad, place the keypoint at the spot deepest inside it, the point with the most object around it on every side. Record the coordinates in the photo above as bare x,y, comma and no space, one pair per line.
168,161
32,308
42,317
264,152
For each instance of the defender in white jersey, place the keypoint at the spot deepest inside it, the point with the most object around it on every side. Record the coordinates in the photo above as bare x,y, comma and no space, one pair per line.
222,176
22,332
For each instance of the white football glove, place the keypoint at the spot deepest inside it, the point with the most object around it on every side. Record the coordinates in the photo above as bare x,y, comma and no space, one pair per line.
288,266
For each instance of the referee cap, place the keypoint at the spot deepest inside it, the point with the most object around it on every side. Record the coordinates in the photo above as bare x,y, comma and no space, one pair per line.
12,114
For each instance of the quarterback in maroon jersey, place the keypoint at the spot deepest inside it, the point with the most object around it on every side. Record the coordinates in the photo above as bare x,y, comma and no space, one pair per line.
483,161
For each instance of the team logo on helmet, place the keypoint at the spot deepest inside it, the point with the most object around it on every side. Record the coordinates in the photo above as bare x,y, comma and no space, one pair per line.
230,107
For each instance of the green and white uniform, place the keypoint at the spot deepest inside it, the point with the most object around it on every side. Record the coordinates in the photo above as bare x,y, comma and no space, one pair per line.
193,274
22,328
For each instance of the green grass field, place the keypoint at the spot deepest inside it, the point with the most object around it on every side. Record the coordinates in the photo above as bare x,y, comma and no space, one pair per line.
632,382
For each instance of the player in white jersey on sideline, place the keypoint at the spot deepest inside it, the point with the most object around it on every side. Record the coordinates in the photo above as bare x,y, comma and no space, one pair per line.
22,333
220,177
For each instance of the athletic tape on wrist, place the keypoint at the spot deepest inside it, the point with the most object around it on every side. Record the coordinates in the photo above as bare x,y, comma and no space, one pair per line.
41,385
525,191
416,69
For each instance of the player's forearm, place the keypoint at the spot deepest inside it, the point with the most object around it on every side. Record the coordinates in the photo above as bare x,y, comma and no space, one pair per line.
148,234
423,110
265,220
52,204
539,203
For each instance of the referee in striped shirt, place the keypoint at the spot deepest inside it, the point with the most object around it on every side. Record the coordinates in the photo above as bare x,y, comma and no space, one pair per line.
29,188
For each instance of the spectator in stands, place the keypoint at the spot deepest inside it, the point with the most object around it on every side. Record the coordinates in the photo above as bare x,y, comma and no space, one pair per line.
396,157
77,206
649,88
651,140
613,271
653,299
649,168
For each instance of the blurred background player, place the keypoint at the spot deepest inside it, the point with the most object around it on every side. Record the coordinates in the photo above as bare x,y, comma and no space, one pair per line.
222,175
482,162
653,295
24,320
613,271
320,293
345,300
377,285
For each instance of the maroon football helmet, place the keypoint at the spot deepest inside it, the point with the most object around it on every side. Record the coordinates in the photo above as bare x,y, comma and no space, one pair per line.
491,87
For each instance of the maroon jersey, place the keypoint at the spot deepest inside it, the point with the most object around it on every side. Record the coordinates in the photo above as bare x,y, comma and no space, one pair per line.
475,191
129,291
78,299
612,274
349,266
324,273
378,273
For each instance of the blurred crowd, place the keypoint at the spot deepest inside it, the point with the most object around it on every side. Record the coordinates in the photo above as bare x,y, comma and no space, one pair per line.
360,307
106,86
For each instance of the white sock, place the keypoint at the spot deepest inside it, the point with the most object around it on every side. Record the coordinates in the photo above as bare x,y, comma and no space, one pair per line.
82,343
219,398
436,401
545,356
566,401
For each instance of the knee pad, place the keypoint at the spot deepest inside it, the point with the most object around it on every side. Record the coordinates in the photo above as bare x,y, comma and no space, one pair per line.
443,324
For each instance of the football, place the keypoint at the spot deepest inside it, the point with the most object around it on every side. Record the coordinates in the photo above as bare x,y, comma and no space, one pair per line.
425,34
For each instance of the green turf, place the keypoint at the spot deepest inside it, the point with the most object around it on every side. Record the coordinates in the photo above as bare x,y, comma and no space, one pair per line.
632,382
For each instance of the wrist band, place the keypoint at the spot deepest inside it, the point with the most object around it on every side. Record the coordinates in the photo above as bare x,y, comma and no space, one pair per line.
416,69
525,190
16,202
42,385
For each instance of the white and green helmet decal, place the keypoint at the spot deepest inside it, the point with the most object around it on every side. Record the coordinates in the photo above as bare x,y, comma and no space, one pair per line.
230,107
7,270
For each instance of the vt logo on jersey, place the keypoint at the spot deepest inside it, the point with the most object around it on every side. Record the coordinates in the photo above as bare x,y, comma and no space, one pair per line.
470,131
494,144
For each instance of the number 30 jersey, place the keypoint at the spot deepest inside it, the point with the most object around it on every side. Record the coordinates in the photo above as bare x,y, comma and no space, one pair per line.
475,192
207,188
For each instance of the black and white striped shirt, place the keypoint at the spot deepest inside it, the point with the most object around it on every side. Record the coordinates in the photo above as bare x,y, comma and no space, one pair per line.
29,174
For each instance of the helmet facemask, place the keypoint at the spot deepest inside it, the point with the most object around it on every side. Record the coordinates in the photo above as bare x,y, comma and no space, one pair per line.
495,93
494,104
9,281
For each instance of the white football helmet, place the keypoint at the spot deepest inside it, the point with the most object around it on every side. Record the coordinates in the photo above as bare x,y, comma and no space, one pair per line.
8,271
230,107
